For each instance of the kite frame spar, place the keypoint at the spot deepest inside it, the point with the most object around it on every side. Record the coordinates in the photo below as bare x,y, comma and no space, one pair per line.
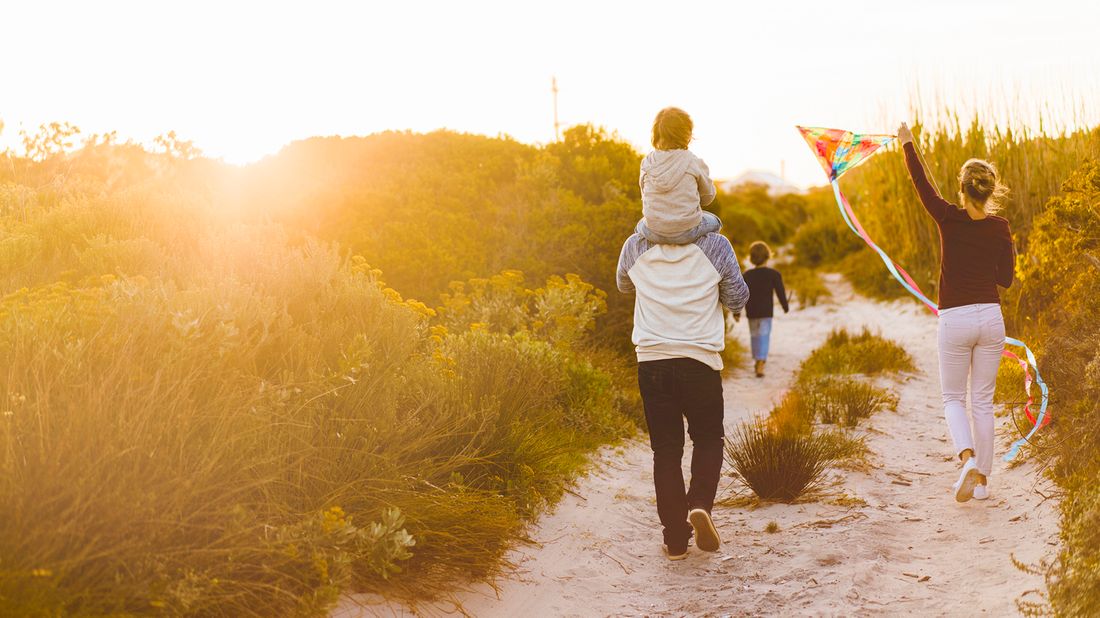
839,151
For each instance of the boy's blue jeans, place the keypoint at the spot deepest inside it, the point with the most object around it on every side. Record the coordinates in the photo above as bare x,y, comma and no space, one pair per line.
710,223
760,333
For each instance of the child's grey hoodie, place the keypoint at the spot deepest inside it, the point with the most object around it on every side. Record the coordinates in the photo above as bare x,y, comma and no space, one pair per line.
675,185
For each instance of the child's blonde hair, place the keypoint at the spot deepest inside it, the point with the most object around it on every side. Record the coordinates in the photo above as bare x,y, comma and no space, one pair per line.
759,253
672,129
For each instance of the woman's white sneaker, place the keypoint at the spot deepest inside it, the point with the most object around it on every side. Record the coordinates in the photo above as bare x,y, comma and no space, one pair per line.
981,492
968,478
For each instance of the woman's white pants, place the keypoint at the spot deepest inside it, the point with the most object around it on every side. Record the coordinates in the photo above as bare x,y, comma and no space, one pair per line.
971,339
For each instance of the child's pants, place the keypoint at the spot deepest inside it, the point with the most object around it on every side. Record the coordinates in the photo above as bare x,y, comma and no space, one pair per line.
760,333
971,339
710,223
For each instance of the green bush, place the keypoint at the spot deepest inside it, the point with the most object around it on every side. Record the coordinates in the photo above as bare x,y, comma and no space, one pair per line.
203,413
865,353
804,285
843,400
1058,306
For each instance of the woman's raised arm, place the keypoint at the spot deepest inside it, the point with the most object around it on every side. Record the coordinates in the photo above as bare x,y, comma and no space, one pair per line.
929,196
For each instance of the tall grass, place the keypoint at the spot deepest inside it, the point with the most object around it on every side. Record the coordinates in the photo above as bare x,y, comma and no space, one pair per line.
203,413
1033,163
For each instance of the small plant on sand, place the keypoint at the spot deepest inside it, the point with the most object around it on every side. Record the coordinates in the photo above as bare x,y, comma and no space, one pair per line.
843,399
772,527
734,354
865,353
777,464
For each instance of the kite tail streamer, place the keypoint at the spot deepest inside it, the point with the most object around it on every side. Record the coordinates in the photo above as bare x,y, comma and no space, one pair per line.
909,284
1042,418
897,271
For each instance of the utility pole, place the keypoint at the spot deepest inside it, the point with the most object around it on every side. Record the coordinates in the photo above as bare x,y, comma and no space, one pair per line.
554,89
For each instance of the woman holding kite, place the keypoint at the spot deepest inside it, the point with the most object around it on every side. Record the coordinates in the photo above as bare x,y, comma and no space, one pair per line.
976,255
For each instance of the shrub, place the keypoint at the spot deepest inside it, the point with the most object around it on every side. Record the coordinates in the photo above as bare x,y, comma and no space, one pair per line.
1058,305
804,285
208,416
778,465
824,240
734,355
843,399
865,353
1074,580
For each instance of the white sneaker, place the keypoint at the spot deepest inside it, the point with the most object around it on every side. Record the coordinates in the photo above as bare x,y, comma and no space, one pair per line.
968,478
981,492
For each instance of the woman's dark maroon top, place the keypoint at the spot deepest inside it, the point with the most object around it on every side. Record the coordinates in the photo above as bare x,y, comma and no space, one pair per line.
975,255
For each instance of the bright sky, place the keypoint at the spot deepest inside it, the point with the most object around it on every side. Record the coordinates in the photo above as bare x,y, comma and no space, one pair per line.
241,79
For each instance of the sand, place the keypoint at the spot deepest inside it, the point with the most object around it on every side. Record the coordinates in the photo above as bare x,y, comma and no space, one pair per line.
911,549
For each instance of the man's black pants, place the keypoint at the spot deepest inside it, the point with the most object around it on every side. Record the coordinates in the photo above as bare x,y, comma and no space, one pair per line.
673,389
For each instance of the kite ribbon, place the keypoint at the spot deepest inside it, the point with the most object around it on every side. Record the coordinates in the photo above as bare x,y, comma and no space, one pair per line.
911,286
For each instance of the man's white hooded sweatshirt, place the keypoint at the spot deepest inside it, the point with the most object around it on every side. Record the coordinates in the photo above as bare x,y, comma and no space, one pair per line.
675,186
680,293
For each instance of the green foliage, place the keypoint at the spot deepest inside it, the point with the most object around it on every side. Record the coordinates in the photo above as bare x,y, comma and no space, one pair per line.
804,285
597,166
843,399
749,214
1057,304
865,353
205,413
443,207
1074,582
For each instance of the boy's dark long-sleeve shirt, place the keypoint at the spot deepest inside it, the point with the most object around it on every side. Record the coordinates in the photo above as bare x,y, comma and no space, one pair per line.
977,255
763,282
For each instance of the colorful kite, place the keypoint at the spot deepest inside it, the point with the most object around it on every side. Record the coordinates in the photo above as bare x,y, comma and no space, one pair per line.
839,151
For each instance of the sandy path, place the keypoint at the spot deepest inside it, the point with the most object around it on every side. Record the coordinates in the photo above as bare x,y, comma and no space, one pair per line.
599,552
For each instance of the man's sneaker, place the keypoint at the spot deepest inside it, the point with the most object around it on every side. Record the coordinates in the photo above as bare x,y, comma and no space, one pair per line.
676,554
981,492
759,368
706,536
968,479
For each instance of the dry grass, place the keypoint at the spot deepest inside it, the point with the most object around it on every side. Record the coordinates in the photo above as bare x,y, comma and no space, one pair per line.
779,465
865,353
205,414
843,400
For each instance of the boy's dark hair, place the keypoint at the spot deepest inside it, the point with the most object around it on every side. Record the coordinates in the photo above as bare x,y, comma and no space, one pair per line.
672,129
759,253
